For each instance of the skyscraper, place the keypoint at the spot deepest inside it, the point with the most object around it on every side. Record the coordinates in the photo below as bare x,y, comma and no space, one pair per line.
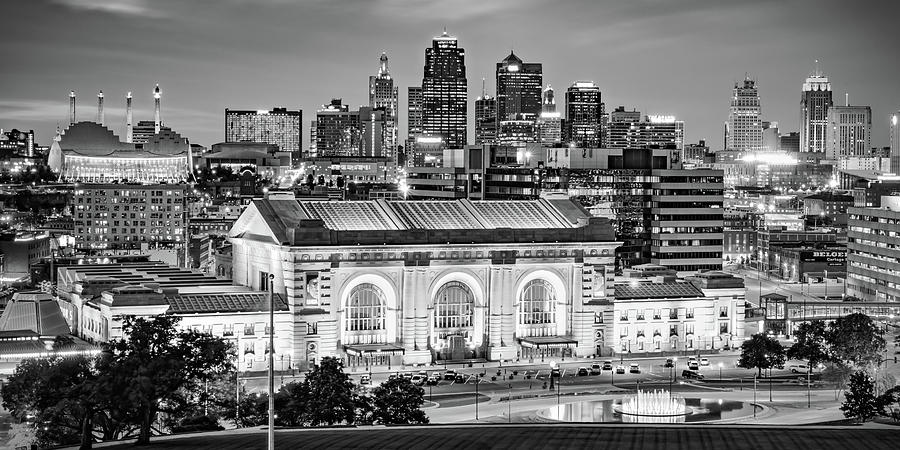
814,104
383,94
518,87
414,107
744,126
583,113
627,129
280,126
549,122
129,126
849,132
485,118
444,91
157,120
895,142
337,130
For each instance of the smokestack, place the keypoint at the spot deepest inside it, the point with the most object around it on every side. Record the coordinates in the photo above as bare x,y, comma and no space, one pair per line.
129,133
100,108
71,107
156,96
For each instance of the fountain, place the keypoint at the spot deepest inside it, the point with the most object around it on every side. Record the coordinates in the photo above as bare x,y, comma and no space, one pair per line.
653,407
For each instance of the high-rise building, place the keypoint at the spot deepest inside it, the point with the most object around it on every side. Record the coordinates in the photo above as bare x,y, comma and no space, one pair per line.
789,142
849,132
444,92
583,113
518,87
814,105
549,123
485,118
313,148
518,130
383,94
374,130
280,126
627,129
744,131
895,142
337,130
414,122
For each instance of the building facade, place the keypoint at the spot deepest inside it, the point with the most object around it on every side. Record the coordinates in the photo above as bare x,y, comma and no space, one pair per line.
445,92
485,119
549,122
583,113
518,87
383,94
814,105
873,252
280,126
744,131
623,131
419,281
849,132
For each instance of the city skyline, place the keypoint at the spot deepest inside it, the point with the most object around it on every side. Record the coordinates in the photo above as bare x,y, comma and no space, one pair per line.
279,57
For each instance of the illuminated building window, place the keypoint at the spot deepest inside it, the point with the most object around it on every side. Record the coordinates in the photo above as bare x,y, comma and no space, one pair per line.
365,308
537,309
453,308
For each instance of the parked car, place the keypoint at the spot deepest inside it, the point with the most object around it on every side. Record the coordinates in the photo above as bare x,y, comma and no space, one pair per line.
620,369
424,373
704,361
693,364
418,380
607,365
799,368
669,362
449,374
583,371
392,376
691,375
634,368
595,369
407,375
460,378
434,378
554,372
365,379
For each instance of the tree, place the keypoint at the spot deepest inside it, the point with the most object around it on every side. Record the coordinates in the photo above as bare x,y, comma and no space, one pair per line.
861,403
811,345
330,395
155,364
398,401
761,352
855,340
839,374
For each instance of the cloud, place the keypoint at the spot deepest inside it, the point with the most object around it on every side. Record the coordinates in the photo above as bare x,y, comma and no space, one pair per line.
140,8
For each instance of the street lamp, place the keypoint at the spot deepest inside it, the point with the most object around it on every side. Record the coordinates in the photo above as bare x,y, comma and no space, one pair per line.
720,371
271,431
509,404
476,398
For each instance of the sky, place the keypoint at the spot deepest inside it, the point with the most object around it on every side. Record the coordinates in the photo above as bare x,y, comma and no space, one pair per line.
671,57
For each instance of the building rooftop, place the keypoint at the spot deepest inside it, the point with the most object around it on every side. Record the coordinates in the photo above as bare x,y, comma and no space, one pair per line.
656,290
223,302
288,220
37,312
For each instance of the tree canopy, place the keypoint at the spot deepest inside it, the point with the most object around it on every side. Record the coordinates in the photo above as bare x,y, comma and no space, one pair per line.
761,352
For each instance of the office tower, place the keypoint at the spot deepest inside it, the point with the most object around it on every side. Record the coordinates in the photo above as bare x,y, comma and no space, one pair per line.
627,129
583,114
337,130
383,94
100,116
849,132
518,130
814,105
895,142
744,126
444,91
313,149
374,130
129,126
414,112
518,87
485,118
157,121
71,107
770,136
549,123
789,142
280,126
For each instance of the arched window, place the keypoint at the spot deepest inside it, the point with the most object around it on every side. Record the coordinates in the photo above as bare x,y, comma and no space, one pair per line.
453,306
537,309
365,308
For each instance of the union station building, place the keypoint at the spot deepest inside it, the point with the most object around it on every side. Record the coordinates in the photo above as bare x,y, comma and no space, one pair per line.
382,282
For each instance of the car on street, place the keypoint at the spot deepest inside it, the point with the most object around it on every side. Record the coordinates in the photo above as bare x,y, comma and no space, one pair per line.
365,379
669,362
693,364
607,365
460,378
449,374
634,368
434,378
704,361
595,369
620,369
691,375
583,372
418,380
798,368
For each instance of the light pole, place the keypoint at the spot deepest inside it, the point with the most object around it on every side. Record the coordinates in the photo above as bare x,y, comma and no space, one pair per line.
476,399
720,371
271,433
808,393
509,404
754,396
